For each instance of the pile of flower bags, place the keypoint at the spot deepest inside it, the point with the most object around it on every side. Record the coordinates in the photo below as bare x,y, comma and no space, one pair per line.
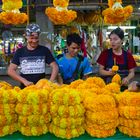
33,111
129,111
8,116
101,115
67,113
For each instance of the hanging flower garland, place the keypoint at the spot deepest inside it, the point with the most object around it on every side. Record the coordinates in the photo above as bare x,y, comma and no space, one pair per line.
59,14
116,13
11,13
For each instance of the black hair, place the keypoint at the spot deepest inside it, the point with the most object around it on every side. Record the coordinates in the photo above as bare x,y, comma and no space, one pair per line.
119,32
75,38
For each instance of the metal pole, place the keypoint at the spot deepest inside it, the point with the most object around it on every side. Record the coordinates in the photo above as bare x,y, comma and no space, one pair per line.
28,13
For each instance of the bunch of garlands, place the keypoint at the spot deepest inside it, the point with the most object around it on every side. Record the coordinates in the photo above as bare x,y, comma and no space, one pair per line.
11,13
33,111
96,83
59,14
67,113
129,113
8,116
116,13
101,115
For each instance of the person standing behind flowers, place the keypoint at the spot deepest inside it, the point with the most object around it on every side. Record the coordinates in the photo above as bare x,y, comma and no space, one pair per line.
32,60
69,61
116,55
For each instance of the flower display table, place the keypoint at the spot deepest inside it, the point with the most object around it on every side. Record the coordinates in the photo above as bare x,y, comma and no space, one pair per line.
48,136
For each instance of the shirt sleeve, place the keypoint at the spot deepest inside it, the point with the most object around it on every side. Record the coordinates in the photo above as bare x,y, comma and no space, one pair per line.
87,67
103,58
16,57
49,57
131,61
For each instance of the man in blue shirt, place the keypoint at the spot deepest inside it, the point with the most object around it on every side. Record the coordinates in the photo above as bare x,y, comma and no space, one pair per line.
68,62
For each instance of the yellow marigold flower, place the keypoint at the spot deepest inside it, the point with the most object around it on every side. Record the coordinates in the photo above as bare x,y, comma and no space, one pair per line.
96,80
63,17
28,109
62,3
129,112
34,131
9,129
8,96
7,109
128,99
100,133
116,79
5,85
131,123
31,96
113,87
34,120
66,133
102,117
13,18
67,111
11,5
69,122
76,83
64,96
130,131
115,68
106,126
100,103
8,119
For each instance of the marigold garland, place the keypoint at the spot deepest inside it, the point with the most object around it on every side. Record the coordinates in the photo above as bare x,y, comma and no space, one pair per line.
60,17
11,13
13,18
116,13
59,14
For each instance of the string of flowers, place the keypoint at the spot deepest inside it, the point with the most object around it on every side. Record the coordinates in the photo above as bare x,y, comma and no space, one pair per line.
11,13
116,13
59,14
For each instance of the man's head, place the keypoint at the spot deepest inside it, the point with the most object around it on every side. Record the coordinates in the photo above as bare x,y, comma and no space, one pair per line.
32,34
74,44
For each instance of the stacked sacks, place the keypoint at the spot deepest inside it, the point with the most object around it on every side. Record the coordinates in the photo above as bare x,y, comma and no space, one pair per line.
67,113
101,115
33,110
8,116
129,111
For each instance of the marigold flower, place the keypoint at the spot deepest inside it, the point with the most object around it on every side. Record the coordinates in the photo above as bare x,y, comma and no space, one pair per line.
130,131
69,122
131,123
34,131
100,133
66,133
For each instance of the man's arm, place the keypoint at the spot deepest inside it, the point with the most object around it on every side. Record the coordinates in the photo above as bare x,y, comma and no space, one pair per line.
104,72
13,73
54,72
131,74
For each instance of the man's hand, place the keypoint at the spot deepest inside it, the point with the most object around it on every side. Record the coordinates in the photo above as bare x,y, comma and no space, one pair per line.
27,83
133,86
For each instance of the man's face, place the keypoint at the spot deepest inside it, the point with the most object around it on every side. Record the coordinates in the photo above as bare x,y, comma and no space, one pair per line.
33,40
73,49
